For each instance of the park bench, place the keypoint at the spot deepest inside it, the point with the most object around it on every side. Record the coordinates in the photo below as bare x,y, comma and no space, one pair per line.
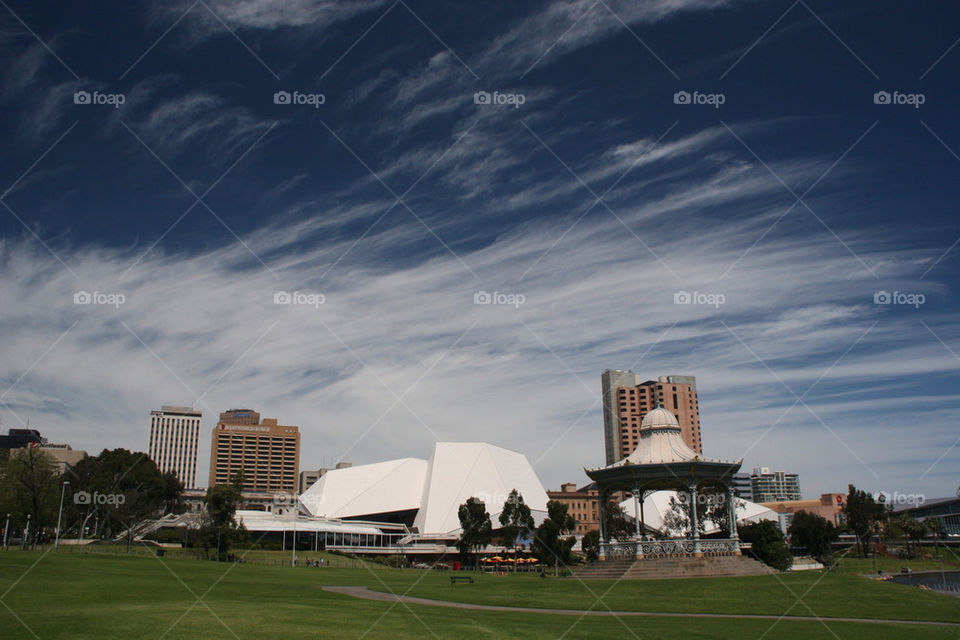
456,579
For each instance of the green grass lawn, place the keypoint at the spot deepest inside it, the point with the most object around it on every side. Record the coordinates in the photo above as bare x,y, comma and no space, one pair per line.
830,595
64,595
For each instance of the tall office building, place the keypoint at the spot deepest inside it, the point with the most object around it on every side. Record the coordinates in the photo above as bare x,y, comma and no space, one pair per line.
266,453
774,486
626,400
174,435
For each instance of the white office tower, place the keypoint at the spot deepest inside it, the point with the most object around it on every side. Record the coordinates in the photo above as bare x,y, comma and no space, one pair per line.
174,434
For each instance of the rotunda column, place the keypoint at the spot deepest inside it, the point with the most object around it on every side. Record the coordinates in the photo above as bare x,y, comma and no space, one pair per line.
732,511
694,528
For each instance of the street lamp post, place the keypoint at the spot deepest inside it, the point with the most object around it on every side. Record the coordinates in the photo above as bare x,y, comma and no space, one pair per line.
63,490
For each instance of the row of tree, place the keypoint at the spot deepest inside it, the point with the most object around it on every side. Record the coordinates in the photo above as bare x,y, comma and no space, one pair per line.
547,541
102,496
105,497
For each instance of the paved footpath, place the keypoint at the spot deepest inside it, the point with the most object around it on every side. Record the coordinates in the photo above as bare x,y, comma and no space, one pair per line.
367,594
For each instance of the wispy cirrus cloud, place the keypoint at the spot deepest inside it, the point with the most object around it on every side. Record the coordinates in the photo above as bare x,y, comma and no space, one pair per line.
516,374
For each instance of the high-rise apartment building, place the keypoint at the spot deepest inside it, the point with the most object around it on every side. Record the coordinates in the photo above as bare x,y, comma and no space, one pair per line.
626,400
174,435
774,486
266,453
742,487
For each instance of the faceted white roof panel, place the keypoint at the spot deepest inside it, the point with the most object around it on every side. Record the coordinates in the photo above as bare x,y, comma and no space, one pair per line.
382,487
460,470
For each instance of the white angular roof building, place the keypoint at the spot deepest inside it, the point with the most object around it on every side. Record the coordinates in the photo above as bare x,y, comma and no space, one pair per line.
367,490
434,489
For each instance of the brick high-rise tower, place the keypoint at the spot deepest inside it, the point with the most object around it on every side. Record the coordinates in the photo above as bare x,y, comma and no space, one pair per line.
626,400
266,453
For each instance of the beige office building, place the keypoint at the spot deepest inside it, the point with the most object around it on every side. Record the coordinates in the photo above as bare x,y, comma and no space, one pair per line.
581,504
626,400
266,453
174,436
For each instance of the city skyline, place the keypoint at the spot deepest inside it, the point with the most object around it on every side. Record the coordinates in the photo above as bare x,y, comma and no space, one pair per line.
397,224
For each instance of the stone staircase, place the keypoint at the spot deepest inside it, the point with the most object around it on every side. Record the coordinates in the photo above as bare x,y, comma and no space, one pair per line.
666,568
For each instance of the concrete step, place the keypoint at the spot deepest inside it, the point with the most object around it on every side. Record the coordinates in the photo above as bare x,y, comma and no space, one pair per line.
665,568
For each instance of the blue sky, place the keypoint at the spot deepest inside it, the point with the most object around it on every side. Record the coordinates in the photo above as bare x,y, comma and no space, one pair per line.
783,163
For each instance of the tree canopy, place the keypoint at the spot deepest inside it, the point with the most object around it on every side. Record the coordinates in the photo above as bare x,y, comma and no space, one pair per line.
516,523
548,545
767,544
476,526
862,514
813,532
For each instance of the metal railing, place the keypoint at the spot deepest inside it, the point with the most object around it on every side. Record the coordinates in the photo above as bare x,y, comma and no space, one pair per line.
669,548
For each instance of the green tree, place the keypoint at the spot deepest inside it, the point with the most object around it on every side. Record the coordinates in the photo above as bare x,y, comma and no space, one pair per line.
120,490
220,528
616,524
172,494
548,543
590,544
30,486
911,530
767,544
813,532
476,526
861,514
932,525
515,520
